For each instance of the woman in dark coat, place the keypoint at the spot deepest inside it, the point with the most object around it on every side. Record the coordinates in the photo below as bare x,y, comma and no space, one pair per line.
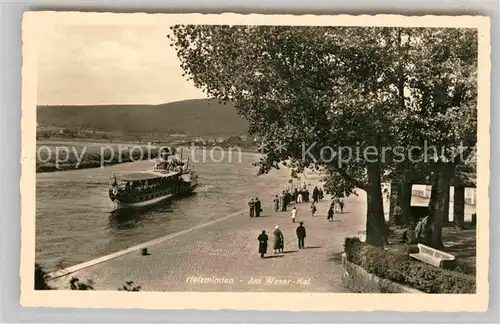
279,240
295,194
262,243
330,214
315,195
276,203
258,207
306,195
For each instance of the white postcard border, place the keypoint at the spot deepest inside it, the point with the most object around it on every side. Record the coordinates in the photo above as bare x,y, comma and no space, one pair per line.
32,23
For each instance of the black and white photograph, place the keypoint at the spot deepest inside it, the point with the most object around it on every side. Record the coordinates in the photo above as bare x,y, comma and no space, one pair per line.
312,161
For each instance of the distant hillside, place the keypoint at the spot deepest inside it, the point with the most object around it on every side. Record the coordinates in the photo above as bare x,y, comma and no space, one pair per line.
200,117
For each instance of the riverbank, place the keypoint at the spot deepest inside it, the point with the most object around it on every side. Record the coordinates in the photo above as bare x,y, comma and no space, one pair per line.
87,157
65,155
222,256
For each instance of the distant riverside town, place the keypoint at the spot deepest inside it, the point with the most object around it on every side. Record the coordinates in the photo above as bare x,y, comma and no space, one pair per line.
65,134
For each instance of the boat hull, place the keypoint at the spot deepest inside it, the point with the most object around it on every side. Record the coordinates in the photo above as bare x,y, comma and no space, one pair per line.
119,205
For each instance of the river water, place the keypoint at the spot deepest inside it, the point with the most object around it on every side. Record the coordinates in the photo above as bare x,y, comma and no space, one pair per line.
74,223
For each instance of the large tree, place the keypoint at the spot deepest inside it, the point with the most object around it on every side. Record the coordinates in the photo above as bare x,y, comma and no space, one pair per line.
324,97
441,115
321,92
435,72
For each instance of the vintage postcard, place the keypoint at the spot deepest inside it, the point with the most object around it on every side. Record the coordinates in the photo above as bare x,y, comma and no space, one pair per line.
255,162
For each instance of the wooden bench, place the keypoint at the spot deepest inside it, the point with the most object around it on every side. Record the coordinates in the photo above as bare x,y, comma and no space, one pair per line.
431,256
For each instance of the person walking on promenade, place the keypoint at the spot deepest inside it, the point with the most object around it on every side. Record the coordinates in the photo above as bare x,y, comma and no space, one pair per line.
321,196
330,214
263,238
299,197
336,204
287,201
301,234
313,209
306,195
294,195
294,214
282,200
258,207
278,240
315,194
276,201
251,206
341,205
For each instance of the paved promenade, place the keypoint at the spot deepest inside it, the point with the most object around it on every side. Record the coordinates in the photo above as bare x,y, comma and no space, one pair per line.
223,256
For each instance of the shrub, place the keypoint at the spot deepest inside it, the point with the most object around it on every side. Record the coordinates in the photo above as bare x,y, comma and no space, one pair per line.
41,278
129,286
463,267
404,270
76,284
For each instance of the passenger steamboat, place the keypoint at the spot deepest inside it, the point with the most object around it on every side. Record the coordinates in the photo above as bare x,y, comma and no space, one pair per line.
170,177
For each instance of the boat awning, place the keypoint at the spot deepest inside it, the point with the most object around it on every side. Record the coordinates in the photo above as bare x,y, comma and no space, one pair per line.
142,176
137,176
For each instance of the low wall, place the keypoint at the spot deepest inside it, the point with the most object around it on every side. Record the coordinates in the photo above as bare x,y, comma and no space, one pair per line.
359,280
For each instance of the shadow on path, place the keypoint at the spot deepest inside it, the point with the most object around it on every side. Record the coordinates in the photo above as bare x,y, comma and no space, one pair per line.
335,257
274,256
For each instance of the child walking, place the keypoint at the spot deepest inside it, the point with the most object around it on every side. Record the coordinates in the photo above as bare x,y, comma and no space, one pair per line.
294,214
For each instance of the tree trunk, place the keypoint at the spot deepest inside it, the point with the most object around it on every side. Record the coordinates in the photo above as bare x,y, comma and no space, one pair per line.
459,206
432,203
405,203
376,229
441,204
400,195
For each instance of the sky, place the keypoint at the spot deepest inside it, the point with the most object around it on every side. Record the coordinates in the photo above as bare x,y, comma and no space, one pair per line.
109,64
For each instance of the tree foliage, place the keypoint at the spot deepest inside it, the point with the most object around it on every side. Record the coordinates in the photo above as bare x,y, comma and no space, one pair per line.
76,284
335,97
129,286
41,279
